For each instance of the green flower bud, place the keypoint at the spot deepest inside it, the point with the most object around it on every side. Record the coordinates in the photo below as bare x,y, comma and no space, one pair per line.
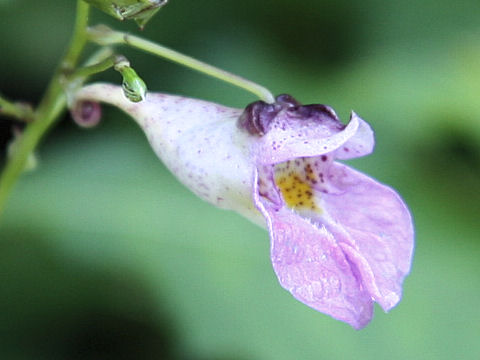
139,10
133,86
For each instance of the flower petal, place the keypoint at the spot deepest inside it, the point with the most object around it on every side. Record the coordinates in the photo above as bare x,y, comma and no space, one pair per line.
361,144
290,137
378,227
312,266
197,140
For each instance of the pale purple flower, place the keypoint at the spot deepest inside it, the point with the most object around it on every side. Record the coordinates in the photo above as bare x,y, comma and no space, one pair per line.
340,240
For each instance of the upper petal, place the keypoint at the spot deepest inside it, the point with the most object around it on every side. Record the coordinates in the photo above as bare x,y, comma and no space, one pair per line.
360,144
290,136
378,230
313,267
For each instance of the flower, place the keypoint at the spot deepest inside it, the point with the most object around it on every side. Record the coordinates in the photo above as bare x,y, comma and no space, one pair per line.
340,240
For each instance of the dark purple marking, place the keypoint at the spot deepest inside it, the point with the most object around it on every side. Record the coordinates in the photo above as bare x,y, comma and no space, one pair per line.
257,117
286,100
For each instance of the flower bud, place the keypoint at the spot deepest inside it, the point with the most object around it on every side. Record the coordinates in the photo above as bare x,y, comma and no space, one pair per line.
139,10
86,114
134,88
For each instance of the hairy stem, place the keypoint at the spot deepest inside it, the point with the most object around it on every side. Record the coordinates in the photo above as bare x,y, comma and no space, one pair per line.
50,108
105,36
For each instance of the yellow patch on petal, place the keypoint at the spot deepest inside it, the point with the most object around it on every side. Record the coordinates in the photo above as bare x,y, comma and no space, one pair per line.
296,192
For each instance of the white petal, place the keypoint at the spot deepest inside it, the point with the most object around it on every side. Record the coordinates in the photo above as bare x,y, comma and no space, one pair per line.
197,140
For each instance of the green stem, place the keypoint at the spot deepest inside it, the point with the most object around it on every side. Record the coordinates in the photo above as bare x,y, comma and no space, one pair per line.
79,37
98,56
103,65
105,36
17,110
49,109
133,86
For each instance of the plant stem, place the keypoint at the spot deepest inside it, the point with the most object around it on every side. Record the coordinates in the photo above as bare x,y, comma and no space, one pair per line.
17,110
49,109
133,86
96,68
105,36
79,37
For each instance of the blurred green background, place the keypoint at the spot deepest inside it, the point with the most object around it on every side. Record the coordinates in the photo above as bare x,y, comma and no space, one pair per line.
104,255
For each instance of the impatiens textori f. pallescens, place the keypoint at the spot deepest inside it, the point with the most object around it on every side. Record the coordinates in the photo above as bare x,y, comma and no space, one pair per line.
340,240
